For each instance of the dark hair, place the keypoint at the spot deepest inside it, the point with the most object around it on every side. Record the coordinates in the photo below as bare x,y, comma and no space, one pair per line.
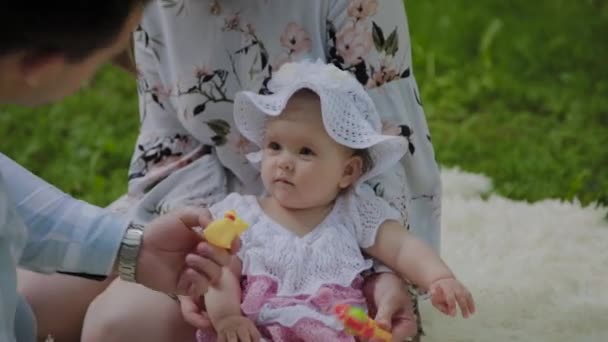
368,162
74,28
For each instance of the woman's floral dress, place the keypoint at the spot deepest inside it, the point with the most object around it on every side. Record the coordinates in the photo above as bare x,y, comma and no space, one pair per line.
193,55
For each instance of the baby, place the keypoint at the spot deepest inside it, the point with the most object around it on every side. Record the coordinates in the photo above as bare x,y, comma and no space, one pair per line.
320,139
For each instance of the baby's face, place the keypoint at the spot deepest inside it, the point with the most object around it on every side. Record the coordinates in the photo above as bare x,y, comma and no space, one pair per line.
302,166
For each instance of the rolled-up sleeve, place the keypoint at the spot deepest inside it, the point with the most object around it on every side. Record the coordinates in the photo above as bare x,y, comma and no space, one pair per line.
64,234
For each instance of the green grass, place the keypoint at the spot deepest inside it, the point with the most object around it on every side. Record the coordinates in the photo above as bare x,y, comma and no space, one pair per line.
83,144
517,90
513,89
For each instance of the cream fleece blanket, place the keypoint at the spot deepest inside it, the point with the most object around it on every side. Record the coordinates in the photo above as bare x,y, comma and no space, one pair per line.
539,272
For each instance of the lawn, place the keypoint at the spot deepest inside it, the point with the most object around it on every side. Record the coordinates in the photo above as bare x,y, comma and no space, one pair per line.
512,89
517,90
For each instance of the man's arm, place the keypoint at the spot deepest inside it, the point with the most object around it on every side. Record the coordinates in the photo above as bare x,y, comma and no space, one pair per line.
64,234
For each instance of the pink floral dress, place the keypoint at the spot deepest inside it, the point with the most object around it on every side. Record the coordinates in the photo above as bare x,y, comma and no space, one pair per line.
193,55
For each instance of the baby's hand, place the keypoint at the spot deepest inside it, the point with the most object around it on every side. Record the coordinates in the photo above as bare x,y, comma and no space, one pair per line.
237,329
446,292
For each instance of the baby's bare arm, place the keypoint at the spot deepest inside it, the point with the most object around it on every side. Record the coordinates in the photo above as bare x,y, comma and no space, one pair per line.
224,298
408,256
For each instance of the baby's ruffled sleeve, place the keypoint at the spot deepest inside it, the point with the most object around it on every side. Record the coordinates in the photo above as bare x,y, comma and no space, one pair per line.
366,213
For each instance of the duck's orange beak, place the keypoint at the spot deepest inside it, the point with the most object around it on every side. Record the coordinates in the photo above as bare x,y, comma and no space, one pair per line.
230,216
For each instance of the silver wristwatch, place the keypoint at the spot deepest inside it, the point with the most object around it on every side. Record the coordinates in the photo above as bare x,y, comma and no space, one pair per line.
129,252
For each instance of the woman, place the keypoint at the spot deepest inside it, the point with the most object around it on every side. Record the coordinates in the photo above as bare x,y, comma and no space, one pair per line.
192,56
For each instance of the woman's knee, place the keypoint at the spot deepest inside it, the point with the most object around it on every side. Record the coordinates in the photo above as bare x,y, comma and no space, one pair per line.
102,323
106,316
44,288
46,293
130,312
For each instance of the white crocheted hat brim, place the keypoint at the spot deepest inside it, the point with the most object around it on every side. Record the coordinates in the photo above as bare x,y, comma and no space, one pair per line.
348,113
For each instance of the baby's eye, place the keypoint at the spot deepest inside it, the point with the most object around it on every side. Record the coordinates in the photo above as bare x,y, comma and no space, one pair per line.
273,146
305,151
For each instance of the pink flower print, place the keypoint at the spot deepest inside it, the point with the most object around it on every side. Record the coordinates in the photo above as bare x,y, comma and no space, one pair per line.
383,76
296,39
232,22
202,71
353,42
240,144
361,9
388,66
386,73
161,91
389,128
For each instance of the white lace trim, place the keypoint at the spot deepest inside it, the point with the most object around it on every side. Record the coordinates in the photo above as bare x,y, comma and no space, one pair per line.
288,316
328,255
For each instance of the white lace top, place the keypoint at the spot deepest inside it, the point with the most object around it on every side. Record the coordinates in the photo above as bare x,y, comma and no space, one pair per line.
328,255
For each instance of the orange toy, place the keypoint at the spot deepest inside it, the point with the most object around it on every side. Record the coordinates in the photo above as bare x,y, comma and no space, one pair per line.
223,231
358,323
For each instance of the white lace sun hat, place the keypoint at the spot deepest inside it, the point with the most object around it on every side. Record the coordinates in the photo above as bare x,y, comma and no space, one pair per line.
349,114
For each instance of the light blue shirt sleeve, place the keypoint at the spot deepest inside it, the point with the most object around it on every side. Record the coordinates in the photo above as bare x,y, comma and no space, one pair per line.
63,234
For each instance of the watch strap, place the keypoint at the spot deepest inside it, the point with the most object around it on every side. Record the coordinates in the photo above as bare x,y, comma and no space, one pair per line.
129,252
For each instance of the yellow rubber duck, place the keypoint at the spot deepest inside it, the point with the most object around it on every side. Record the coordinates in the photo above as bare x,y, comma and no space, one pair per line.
221,232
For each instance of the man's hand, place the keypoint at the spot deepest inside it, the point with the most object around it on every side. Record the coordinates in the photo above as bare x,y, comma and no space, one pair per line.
174,259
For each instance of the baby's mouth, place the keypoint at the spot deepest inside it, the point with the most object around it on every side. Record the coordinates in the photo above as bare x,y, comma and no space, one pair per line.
282,181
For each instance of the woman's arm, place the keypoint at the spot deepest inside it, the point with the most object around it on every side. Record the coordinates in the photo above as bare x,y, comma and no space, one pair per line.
163,144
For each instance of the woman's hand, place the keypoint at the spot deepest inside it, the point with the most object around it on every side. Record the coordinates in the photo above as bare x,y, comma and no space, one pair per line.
390,302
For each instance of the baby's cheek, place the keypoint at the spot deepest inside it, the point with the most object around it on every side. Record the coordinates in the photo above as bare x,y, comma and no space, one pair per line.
315,182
